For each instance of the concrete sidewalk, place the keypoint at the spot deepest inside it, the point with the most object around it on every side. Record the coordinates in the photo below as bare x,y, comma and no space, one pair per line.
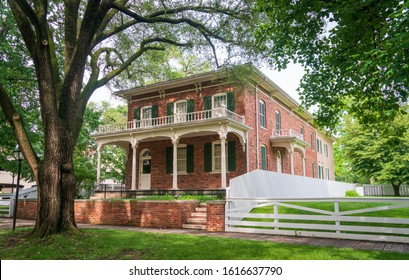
6,223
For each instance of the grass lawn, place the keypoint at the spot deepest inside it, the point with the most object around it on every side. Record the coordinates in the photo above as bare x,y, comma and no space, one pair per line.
97,244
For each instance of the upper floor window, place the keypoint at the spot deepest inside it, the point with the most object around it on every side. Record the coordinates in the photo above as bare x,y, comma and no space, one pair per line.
180,111
319,146
302,132
326,150
146,116
278,122
219,101
312,140
262,114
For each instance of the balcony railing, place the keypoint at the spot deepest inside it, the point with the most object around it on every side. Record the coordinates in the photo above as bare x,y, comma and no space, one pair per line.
287,133
174,119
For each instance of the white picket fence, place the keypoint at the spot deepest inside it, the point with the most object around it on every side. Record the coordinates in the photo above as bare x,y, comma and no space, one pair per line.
384,190
358,227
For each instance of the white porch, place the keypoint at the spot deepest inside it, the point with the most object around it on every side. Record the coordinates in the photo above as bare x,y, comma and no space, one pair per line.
130,134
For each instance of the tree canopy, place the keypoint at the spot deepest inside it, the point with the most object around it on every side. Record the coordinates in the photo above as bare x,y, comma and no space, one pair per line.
355,53
378,152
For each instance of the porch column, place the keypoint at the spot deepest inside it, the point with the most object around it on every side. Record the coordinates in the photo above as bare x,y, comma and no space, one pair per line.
292,161
99,165
134,144
303,165
175,142
223,136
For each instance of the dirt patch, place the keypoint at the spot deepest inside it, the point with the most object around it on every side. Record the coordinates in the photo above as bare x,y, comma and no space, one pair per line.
127,254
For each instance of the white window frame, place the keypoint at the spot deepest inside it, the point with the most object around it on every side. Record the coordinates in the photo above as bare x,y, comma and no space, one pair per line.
182,168
179,117
214,143
326,149
145,122
278,128
262,114
302,132
327,173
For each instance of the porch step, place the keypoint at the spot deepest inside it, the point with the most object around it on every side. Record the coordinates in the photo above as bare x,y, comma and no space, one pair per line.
193,226
198,218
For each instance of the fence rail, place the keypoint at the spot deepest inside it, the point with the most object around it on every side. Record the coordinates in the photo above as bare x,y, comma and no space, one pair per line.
349,224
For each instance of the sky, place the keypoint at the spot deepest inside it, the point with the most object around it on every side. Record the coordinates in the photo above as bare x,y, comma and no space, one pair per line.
288,80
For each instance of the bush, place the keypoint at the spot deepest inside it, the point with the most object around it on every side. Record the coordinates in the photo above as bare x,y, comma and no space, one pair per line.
351,193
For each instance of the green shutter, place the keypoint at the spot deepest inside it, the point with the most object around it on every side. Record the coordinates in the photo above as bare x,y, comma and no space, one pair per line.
169,160
231,153
154,114
190,109
169,110
263,158
207,157
169,113
230,101
189,159
137,114
208,105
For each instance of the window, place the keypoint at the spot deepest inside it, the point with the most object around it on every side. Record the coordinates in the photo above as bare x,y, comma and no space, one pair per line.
146,116
217,156
262,114
263,157
319,146
302,132
278,122
312,140
182,159
180,111
219,101
327,173
320,172
213,156
185,159
326,150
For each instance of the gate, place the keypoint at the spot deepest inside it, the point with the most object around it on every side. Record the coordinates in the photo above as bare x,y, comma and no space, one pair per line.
349,218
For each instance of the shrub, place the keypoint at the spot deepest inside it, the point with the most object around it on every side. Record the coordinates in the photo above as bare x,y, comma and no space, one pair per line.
351,193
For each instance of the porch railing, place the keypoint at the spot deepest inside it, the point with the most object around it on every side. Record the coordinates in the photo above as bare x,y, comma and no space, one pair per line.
287,133
174,119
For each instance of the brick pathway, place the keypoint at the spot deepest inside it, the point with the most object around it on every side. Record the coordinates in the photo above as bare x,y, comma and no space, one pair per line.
6,223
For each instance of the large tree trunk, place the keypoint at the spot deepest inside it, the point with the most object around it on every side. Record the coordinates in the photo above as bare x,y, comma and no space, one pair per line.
56,194
396,190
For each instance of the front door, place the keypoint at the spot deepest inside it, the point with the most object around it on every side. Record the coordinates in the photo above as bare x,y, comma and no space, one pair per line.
145,170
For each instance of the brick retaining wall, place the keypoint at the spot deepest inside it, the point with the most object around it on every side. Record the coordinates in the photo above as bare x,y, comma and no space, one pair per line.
140,213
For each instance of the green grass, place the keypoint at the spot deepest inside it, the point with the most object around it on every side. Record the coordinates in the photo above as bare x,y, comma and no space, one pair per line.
93,244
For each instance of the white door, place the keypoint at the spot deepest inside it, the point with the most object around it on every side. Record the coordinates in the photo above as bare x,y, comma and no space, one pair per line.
145,170
181,111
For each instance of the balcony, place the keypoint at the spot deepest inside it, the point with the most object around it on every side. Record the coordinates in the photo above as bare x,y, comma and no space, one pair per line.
287,133
288,138
200,117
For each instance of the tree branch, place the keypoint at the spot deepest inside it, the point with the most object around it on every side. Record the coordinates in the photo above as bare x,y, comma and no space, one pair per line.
71,9
29,12
16,124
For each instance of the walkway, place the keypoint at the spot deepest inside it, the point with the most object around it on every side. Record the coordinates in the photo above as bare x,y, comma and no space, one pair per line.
6,223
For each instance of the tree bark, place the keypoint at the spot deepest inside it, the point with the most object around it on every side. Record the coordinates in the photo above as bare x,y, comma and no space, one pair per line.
396,190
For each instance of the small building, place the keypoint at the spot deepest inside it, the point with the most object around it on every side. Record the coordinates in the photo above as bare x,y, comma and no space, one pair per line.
196,133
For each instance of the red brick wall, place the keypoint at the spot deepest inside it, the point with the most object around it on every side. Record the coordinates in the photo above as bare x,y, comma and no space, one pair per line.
289,119
198,180
157,214
215,215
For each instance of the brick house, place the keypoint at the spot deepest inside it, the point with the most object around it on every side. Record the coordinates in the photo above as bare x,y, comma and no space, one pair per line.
198,132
